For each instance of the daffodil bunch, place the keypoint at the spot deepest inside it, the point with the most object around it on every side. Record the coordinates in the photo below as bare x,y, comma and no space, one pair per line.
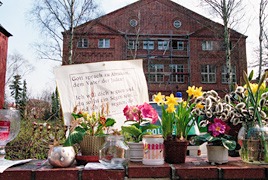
177,117
94,124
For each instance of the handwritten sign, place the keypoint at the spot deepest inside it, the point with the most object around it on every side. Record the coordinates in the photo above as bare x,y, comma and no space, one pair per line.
89,86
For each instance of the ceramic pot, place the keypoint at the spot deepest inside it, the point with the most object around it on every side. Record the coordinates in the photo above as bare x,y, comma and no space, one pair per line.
175,151
90,145
135,151
217,154
59,156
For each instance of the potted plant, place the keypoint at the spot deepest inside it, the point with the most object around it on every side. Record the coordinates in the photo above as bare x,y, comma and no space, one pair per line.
89,130
139,119
219,142
176,122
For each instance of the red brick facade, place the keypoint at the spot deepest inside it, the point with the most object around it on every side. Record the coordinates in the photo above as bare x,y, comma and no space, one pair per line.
174,57
3,58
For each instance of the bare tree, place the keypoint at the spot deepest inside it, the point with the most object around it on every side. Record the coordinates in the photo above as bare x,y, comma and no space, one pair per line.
56,17
262,34
16,64
227,11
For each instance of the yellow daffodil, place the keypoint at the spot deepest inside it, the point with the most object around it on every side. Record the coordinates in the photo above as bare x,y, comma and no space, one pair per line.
199,106
159,98
171,108
198,92
263,86
191,91
171,100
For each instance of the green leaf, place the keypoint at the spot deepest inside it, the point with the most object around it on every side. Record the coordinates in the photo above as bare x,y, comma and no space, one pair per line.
250,77
109,122
133,130
75,137
228,144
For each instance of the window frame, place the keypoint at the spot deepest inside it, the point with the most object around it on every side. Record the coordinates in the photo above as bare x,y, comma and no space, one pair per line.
208,76
207,45
148,45
163,45
104,43
224,73
156,74
176,68
82,43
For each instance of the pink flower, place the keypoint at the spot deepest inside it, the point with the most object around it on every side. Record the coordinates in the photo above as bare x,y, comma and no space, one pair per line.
148,112
218,127
139,112
131,112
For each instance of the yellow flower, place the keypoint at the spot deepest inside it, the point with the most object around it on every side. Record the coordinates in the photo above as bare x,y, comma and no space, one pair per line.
171,100
159,98
198,92
263,86
191,91
184,104
171,108
199,106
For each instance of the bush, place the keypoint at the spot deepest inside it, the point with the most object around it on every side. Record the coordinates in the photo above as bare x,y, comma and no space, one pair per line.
34,139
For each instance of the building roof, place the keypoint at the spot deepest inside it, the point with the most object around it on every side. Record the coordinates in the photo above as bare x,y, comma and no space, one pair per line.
4,31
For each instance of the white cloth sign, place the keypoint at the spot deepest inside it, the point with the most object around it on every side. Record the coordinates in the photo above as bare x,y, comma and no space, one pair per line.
90,85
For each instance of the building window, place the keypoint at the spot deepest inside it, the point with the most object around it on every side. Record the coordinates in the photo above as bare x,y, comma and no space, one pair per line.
175,75
207,45
156,73
148,45
82,43
104,43
177,24
178,45
162,45
208,74
224,74
133,22
131,44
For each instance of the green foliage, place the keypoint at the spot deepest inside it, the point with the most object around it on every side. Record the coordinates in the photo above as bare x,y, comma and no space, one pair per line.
33,141
136,130
80,131
224,140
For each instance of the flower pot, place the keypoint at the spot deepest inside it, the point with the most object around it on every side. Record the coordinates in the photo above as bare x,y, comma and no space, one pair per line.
217,154
136,151
175,151
59,156
90,145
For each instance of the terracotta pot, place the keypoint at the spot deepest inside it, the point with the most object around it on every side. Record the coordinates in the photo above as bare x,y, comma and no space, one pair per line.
90,145
135,151
217,154
175,151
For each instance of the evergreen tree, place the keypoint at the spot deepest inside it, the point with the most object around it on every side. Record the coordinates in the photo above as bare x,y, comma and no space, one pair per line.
24,99
16,90
55,104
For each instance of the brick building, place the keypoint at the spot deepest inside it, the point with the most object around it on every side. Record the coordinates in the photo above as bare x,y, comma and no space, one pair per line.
178,46
4,34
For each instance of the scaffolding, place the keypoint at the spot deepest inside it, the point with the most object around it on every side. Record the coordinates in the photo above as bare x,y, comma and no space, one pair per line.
169,50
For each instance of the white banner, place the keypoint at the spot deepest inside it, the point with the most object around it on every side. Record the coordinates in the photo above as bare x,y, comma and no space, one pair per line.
91,85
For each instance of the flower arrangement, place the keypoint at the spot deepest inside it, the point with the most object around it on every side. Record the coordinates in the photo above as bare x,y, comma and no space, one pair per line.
94,124
177,118
139,119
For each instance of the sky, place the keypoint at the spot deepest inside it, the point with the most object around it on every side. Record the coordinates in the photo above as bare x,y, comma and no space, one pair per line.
13,19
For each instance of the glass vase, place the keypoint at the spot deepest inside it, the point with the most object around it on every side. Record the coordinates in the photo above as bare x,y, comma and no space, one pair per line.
253,140
114,153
